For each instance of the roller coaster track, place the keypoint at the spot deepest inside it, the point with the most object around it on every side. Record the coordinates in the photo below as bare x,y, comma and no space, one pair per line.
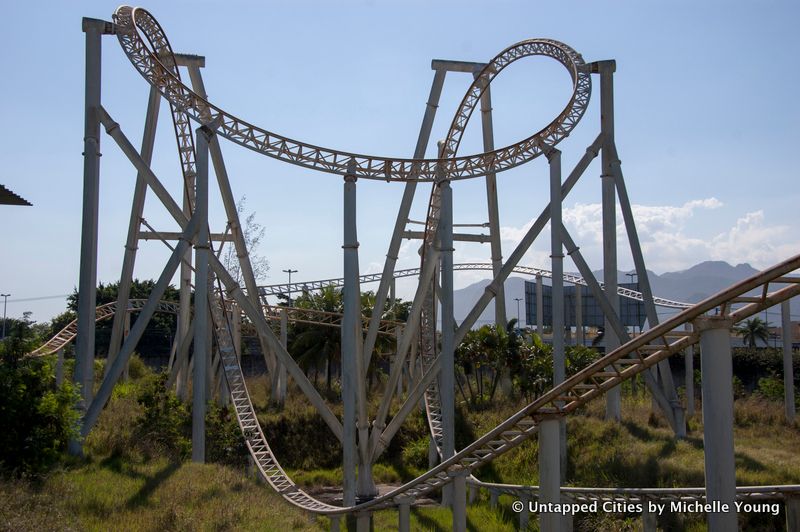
66,335
582,494
153,59
449,148
324,318
281,289
156,63
628,360
273,313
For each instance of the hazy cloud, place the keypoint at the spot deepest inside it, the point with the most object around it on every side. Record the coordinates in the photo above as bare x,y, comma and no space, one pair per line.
672,237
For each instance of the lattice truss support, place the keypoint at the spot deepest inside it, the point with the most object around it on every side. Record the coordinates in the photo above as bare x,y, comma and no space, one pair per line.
212,324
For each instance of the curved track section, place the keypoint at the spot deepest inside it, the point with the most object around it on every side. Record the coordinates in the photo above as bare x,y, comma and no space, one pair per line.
324,318
582,495
628,360
102,312
546,139
152,57
280,289
296,315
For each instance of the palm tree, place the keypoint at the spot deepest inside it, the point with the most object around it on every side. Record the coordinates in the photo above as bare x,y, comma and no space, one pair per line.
752,330
316,345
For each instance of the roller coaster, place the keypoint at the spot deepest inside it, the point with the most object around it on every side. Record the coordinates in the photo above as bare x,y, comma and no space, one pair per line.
219,300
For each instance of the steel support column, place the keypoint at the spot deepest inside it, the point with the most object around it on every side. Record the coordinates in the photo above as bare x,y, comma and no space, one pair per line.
688,365
557,267
281,388
579,337
539,306
788,370
404,513
350,326
107,386
235,225
131,244
402,215
87,284
720,464
609,208
549,473
494,212
447,373
459,488
185,298
202,347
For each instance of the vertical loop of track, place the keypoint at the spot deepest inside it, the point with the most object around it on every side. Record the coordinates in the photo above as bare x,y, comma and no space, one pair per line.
556,131
158,66
154,61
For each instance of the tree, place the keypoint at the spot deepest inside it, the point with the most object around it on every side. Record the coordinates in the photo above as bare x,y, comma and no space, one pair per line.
484,352
36,417
316,345
157,336
253,233
752,330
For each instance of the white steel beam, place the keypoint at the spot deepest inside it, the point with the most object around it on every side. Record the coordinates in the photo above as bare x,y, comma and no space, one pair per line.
720,462
87,284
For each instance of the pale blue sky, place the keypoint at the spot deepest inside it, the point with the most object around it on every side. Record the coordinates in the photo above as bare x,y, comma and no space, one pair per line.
707,126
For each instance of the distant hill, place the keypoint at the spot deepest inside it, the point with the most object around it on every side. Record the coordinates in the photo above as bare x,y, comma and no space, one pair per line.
691,285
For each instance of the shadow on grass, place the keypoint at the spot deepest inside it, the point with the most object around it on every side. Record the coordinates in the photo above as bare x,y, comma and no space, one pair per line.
141,497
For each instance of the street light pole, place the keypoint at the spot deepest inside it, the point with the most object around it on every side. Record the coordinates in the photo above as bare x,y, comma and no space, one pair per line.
638,316
518,299
290,272
5,303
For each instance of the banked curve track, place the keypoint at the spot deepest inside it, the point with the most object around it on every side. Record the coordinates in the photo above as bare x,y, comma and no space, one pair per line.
630,359
288,288
155,61
272,313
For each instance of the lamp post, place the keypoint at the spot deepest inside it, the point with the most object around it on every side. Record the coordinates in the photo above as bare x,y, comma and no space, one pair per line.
289,290
518,299
5,303
638,316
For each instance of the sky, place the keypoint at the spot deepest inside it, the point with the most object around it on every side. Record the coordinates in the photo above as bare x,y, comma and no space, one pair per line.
706,127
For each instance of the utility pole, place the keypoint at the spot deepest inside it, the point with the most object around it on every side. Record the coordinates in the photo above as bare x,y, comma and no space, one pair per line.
518,299
5,304
638,316
289,291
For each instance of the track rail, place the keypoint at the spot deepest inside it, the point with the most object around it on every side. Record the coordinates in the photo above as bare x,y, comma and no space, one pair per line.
296,315
582,494
153,59
324,318
448,150
66,335
628,360
290,288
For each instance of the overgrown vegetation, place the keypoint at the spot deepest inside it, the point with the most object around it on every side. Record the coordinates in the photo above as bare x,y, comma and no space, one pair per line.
157,336
37,418
136,471
492,353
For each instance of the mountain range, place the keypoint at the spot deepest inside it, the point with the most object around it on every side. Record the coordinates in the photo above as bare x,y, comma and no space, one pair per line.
691,286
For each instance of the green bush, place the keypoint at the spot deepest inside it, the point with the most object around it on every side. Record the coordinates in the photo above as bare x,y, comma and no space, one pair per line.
771,388
37,419
224,441
137,368
738,388
415,454
164,429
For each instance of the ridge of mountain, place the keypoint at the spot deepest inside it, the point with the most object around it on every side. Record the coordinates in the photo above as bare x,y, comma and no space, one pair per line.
690,285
